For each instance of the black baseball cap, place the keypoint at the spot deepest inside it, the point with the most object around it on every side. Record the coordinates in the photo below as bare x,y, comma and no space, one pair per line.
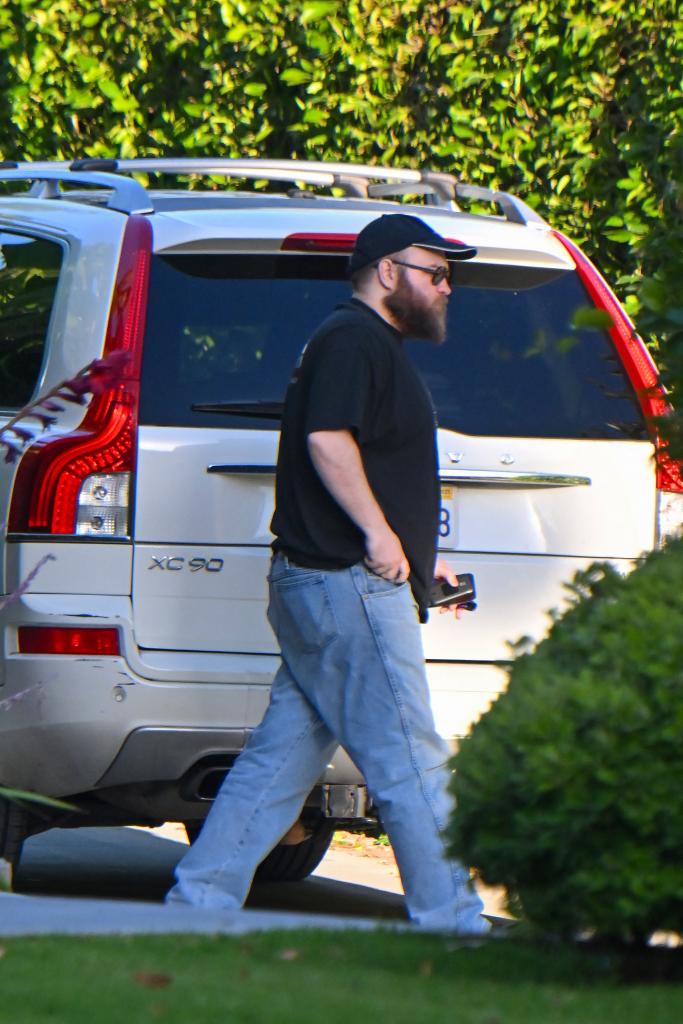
395,231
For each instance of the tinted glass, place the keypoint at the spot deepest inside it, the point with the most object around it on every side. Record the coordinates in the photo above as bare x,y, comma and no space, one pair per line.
230,328
29,271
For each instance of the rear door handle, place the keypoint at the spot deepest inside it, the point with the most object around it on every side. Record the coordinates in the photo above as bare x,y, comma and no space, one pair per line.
511,478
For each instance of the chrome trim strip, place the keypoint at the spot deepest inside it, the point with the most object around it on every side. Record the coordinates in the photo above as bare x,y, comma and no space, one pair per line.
462,477
511,478
242,470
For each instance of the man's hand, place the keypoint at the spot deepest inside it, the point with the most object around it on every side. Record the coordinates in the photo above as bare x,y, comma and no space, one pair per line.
442,571
385,556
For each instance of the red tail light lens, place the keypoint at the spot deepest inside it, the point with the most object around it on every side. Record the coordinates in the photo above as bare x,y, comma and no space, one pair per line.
318,242
67,640
51,472
313,241
50,475
635,357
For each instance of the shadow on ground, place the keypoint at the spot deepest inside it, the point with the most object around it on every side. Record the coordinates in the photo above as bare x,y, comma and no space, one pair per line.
129,864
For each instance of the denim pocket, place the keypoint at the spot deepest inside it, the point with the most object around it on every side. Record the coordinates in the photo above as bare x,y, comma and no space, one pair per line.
286,574
301,611
378,586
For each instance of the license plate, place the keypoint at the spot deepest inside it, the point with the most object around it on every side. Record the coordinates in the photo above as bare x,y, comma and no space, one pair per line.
447,516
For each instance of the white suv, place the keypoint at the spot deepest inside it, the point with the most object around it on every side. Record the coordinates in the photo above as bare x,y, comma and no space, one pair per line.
139,658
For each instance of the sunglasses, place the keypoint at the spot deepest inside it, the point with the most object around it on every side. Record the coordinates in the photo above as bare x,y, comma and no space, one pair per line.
437,274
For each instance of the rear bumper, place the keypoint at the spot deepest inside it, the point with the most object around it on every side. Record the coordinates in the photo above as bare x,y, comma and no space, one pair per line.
76,725
196,757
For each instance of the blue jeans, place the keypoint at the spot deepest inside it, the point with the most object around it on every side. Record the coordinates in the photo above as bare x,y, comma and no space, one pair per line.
352,672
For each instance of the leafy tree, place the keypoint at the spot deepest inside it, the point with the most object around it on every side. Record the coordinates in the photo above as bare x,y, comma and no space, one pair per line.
661,297
574,103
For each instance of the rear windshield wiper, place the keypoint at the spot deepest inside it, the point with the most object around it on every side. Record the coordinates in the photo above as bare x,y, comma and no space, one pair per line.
262,410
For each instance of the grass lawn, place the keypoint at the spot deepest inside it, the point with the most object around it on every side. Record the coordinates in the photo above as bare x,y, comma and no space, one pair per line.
318,978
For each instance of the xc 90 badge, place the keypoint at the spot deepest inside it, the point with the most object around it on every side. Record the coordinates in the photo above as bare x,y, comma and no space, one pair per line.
176,563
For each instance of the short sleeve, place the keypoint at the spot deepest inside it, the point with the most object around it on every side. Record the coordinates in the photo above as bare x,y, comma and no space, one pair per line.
342,385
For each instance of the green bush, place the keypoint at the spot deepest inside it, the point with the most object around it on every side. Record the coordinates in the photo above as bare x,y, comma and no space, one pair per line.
570,789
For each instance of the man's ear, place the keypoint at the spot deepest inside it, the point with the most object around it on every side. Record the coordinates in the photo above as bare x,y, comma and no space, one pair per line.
386,273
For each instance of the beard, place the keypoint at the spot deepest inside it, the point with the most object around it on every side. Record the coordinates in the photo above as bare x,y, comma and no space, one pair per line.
414,316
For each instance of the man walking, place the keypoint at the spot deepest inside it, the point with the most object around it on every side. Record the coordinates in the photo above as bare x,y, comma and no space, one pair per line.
356,525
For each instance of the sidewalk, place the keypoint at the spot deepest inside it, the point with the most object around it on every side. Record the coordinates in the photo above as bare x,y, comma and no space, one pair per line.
55,915
137,863
112,881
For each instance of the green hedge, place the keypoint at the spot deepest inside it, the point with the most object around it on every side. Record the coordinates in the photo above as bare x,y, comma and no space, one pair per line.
575,104
569,790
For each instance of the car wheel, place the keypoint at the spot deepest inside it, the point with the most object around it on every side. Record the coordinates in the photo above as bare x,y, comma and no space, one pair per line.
293,863
287,863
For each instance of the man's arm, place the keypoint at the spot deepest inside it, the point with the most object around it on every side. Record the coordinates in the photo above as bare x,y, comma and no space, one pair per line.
337,461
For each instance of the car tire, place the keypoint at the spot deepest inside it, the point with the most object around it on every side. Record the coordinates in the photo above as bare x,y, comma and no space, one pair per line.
294,863
287,863
13,829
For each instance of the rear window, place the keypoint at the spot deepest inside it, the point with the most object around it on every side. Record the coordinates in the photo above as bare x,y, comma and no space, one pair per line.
229,328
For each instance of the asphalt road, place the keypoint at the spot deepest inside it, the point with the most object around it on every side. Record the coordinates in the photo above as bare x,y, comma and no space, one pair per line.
133,864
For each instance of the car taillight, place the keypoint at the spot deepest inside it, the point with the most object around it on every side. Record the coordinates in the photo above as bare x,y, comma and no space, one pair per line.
642,373
314,241
320,241
103,503
68,640
79,483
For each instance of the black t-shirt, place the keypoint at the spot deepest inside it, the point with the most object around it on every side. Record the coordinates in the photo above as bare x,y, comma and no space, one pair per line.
355,375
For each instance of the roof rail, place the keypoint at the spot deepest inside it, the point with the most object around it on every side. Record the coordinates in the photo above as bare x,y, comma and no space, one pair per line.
128,196
353,179
361,180
512,208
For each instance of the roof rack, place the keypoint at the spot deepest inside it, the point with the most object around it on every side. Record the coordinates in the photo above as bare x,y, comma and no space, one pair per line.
511,207
352,179
360,180
128,196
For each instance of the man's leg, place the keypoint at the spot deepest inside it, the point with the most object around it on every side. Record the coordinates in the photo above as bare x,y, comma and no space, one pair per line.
372,692
256,805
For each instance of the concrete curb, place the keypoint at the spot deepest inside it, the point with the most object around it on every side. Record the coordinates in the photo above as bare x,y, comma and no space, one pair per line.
52,915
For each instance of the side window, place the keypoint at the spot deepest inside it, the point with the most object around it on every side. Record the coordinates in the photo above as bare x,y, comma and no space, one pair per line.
29,271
